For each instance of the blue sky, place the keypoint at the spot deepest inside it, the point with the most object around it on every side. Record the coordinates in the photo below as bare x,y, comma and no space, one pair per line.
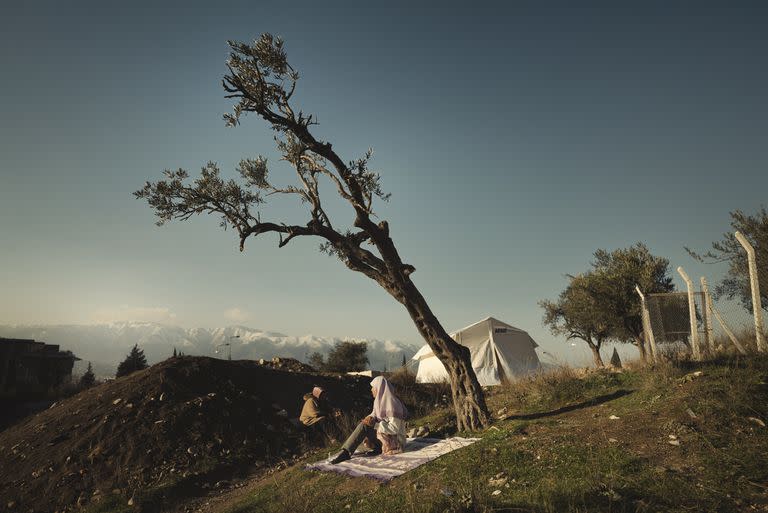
515,141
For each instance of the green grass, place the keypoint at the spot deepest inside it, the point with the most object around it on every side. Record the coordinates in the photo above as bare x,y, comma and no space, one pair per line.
560,451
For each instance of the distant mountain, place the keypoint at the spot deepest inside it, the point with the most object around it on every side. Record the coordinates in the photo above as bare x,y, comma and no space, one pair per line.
106,344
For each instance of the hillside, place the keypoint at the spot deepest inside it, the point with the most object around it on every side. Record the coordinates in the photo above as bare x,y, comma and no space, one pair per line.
677,438
205,435
163,434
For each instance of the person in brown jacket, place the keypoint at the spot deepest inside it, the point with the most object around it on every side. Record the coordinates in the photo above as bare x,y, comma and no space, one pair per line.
319,415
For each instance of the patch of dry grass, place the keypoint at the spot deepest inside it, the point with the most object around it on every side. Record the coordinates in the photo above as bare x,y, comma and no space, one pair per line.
420,398
745,336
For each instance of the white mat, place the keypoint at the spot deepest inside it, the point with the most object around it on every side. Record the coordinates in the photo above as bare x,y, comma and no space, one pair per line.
418,451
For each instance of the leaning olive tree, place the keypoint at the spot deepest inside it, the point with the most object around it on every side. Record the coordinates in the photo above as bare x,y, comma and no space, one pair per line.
621,270
262,82
580,313
602,304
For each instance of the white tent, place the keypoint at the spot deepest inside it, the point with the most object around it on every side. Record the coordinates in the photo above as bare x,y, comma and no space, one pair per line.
498,351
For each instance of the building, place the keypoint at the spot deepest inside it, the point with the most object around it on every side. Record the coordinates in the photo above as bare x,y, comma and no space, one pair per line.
27,364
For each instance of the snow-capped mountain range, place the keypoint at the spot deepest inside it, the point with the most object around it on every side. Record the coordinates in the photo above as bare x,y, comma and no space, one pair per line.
106,344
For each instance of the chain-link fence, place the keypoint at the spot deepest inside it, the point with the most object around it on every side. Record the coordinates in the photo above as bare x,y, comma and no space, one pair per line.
670,320
723,323
733,305
733,326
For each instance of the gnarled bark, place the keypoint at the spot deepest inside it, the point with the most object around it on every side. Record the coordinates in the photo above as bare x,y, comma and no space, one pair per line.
596,358
467,394
640,343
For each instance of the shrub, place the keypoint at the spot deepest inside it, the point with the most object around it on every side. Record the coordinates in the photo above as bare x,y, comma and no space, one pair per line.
347,356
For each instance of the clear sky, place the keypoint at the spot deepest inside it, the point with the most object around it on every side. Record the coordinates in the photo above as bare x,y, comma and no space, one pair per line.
515,141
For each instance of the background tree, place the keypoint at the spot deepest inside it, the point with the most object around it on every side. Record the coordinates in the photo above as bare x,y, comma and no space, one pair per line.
262,82
610,307
347,356
135,361
579,314
620,271
317,361
735,284
88,379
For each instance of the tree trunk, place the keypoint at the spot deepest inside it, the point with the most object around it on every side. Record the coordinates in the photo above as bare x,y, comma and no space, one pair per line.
596,355
394,277
640,343
468,398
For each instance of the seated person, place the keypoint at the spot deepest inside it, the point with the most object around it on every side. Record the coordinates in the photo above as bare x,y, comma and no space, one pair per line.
318,413
383,431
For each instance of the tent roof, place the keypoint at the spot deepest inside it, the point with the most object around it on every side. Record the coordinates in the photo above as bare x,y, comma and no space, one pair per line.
426,351
492,320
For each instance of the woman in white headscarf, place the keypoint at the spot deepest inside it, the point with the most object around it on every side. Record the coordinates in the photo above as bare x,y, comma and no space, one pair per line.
384,429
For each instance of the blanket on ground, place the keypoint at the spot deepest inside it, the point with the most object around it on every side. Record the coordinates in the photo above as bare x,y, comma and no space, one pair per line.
418,451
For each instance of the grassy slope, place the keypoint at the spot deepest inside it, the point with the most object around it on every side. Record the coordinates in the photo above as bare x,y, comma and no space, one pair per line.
559,450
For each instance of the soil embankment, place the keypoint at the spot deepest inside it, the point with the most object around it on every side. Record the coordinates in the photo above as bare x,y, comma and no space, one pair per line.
162,433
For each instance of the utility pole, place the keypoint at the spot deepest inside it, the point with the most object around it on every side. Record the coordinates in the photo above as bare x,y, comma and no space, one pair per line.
230,345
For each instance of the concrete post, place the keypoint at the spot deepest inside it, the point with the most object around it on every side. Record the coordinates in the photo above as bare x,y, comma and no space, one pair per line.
692,315
707,313
726,328
647,330
756,305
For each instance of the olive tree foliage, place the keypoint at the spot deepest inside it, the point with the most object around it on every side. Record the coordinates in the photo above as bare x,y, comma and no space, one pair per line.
621,270
347,356
579,313
602,304
736,284
262,82
317,361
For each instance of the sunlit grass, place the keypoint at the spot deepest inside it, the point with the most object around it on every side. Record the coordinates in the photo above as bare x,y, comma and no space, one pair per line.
579,460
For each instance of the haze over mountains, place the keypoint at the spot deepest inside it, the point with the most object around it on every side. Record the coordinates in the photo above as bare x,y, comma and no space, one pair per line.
106,344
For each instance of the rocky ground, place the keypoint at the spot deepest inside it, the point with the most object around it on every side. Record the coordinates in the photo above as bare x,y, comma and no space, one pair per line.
174,430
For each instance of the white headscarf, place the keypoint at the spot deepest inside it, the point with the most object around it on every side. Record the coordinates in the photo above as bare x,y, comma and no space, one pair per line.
385,403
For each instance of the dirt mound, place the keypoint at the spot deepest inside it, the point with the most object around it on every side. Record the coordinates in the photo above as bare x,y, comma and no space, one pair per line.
169,429
288,364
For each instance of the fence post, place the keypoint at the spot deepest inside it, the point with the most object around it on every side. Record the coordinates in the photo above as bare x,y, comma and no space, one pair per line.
726,329
647,330
706,312
756,304
692,315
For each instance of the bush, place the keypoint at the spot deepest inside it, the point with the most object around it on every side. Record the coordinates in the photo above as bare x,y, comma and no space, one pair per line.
347,356
317,361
